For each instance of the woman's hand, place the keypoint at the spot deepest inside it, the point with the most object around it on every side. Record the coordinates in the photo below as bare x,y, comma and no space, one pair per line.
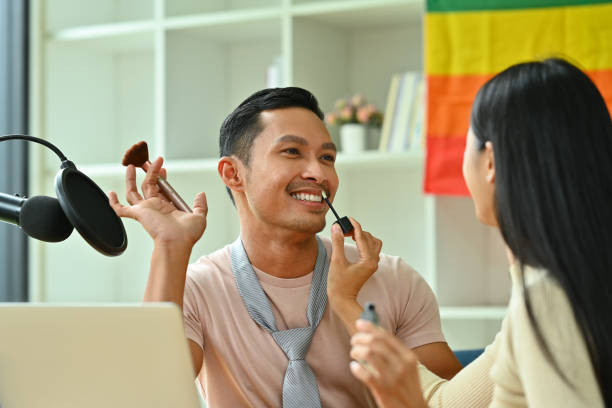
390,370
157,214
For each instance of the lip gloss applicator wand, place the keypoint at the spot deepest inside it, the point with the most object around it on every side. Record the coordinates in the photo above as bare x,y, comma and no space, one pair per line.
344,222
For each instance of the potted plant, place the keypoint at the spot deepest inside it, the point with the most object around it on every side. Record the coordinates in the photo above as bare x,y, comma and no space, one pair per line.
354,116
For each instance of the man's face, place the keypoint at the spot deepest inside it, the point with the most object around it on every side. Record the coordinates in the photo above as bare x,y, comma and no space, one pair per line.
291,163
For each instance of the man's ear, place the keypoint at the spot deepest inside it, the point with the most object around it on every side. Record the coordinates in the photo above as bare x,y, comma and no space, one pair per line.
490,158
231,171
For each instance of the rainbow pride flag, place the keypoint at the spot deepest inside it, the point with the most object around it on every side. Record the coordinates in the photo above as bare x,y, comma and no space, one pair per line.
468,41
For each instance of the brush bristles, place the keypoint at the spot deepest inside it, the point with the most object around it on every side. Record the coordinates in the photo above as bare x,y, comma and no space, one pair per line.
137,155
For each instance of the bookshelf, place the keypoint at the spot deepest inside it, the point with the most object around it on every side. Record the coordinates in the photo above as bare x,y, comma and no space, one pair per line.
106,74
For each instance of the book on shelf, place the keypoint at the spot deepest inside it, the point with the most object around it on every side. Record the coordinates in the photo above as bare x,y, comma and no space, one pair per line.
417,128
385,132
404,112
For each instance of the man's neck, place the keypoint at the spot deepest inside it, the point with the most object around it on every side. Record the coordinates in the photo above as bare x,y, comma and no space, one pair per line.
282,254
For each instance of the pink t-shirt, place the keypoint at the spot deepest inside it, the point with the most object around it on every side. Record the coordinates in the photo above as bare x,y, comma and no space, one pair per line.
243,365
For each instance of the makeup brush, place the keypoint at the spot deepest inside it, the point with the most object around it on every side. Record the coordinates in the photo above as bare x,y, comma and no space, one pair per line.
138,156
344,222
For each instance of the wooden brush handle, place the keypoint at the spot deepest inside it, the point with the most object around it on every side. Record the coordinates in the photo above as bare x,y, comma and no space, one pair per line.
168,191
172,195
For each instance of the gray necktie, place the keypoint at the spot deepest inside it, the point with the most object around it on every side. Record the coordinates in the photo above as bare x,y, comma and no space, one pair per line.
300,385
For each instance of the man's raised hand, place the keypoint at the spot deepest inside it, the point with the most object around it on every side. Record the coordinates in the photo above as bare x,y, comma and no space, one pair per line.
156,213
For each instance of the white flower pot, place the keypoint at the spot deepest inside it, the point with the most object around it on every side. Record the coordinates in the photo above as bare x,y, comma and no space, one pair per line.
353,137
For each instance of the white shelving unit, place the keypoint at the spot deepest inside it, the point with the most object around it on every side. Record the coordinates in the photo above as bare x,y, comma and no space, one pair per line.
108,73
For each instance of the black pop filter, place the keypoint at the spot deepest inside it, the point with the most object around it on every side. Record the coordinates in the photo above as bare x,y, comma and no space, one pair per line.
87,208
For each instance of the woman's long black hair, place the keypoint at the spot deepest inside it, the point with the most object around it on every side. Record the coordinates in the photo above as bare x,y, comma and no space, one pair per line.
552,144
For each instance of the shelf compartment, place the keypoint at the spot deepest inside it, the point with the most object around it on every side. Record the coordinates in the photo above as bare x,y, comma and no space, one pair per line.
209,71
98,95
332,57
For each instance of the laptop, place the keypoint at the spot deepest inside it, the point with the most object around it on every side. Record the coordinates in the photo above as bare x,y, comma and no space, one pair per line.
107,356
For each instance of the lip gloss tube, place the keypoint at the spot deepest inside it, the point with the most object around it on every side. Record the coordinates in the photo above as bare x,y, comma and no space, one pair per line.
344,222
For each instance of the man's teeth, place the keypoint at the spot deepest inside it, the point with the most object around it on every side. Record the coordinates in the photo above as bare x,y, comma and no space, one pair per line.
307,197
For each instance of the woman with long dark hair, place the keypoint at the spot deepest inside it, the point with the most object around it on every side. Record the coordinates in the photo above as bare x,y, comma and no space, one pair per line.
538,164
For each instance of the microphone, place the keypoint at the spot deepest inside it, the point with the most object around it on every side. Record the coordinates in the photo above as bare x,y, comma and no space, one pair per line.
40,217
81,202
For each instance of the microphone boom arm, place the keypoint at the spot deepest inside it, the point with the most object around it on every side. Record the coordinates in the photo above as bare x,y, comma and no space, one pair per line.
9,208
37,140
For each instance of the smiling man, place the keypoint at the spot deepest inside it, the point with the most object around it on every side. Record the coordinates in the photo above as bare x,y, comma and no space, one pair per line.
268,319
